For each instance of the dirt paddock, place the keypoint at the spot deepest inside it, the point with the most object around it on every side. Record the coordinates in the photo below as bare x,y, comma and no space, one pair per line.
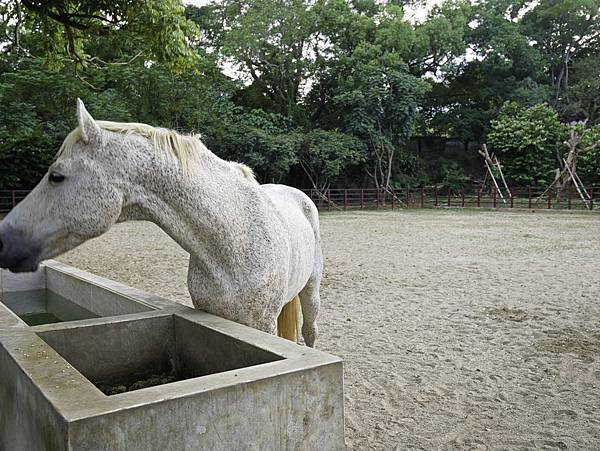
459,329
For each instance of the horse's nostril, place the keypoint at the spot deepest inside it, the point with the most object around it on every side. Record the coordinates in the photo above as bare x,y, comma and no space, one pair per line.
1,245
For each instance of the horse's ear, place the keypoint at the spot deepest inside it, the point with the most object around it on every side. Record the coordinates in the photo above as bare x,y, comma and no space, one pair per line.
89,129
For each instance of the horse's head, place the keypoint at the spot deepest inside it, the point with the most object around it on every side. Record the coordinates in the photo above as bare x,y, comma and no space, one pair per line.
78,199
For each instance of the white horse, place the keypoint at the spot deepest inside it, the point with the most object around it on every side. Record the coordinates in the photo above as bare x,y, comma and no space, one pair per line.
253,248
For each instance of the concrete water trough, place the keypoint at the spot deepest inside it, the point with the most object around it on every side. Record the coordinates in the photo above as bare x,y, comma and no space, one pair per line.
90,364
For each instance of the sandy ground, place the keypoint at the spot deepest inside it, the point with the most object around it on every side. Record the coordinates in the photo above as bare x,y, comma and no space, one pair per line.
459,330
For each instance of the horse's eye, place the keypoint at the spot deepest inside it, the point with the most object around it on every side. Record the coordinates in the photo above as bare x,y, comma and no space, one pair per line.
56,177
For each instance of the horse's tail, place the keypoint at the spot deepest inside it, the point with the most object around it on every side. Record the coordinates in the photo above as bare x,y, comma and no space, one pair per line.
288,322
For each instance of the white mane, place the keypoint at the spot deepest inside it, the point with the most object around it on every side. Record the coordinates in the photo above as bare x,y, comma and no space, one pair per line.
185,148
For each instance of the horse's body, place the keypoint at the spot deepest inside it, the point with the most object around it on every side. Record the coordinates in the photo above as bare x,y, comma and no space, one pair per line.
252,247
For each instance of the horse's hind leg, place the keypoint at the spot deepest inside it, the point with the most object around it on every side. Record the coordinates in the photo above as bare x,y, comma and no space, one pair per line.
310,301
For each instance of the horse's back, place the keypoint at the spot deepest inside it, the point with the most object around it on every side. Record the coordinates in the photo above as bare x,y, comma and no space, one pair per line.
290,200
300,217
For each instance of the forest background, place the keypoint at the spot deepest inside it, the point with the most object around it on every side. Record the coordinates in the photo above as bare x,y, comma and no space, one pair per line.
313,93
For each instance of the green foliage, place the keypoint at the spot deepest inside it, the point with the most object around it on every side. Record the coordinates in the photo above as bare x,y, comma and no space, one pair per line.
37,107
62,29
317,92
441,38
564,32
271,41
588,161
22,140
450,174
581,101
380,106
325,155
527,141
265,141
31,121
526,52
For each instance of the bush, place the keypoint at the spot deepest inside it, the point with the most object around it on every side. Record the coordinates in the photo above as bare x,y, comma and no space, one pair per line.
527,141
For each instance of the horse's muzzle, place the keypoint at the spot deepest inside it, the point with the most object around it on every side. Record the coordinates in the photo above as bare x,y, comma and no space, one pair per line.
16,253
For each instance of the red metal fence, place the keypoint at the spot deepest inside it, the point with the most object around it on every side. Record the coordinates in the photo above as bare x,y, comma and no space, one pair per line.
474,197
429,197
10,198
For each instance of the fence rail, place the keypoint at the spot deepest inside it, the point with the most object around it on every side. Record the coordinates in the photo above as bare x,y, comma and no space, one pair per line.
10,198
429,197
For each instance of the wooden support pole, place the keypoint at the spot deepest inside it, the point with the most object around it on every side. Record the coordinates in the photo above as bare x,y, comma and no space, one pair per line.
582,185
502,175
488,164
574,178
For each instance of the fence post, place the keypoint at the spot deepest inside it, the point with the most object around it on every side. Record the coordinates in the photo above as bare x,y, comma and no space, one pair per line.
569,198
345,199
422,197
478,197
549,206
14,198
393,198
494,197
436,196
591,198
378,194
462,197
407,196
512,200
362,198
529,197
328,199
449,194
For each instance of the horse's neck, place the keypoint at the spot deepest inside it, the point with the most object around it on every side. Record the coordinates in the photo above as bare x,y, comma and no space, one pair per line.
207,213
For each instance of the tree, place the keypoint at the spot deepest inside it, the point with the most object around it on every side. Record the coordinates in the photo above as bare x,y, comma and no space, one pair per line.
158,30
583,100
589,157
563,31
529,141
267,142
325,155
273,43
502,66
440,40
34,123
363,84
380,106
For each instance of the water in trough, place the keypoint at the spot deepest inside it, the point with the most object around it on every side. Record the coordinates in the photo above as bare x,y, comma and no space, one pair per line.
37,307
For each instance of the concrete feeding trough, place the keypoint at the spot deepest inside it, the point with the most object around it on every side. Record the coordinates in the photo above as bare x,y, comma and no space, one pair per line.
116,368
